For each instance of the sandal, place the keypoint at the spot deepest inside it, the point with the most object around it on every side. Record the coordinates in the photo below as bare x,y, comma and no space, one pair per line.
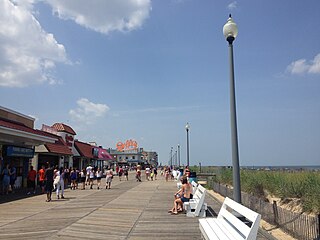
174,213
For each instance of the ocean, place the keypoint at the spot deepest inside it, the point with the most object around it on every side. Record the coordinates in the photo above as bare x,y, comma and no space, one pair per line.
306,168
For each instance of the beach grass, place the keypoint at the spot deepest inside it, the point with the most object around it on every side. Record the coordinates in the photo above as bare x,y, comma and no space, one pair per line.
303,185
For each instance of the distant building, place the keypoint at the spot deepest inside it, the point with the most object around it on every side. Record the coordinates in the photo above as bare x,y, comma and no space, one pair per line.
134,157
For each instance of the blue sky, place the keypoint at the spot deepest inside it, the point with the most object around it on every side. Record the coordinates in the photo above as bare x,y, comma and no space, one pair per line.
139,69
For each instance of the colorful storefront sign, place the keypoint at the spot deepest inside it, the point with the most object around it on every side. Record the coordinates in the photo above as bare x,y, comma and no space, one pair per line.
128,145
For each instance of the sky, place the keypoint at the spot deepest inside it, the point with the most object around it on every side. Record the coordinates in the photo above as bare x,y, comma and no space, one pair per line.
141,69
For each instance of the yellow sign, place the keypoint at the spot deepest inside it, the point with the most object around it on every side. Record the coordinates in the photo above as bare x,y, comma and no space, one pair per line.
128,145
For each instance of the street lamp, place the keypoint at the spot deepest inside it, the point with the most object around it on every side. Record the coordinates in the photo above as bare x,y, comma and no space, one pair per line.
175,158
230,31
179,155
187,129
171,157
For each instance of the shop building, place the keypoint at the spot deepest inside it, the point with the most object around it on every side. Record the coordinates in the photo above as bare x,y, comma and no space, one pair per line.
55,154
88,154
18,140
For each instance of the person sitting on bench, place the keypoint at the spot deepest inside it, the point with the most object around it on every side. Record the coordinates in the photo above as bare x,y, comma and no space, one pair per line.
184,193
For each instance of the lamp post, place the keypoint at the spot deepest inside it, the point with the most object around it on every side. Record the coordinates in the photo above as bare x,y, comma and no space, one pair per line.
187,129
230,31
175,158
171,157
179,155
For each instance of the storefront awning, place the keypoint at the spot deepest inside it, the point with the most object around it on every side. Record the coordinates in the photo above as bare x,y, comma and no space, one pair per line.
104,155
18,134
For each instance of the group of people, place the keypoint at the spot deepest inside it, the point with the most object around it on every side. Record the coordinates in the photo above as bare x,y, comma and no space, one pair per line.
150,172
174,174
54,179
123,171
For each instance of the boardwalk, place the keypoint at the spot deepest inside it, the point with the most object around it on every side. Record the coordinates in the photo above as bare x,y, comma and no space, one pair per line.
130,210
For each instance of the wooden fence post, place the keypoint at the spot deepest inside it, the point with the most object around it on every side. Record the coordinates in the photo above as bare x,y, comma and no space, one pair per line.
275,213
318,230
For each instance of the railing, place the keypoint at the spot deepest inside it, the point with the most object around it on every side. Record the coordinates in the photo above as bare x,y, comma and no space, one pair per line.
298,225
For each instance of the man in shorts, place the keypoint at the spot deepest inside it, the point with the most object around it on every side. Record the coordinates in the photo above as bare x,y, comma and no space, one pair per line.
49,182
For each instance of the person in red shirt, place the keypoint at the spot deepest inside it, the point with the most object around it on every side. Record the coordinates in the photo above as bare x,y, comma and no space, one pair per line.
31,180
42,178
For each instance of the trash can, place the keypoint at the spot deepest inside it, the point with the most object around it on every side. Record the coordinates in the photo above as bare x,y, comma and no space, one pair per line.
193,177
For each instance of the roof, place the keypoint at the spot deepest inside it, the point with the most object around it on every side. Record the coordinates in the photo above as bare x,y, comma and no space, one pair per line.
84,149
59,146
63,128
9,124
104,155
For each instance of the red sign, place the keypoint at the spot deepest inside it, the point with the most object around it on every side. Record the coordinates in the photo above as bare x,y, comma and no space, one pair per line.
69,140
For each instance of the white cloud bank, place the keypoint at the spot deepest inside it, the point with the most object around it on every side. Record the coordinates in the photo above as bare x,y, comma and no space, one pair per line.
88,112
28,54
302,66
103,16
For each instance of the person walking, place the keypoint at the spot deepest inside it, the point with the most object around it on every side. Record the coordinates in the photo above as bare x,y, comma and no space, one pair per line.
13,177
120,173
31,180
147,173
83,178
99,176
138,174
91,178
6,179
125,173
109,176
41,177
73,177
60,182
49,182
155,172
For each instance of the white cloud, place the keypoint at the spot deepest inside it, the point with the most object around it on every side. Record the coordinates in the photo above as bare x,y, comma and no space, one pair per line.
103,16
27,53
88,112
303,66
232,5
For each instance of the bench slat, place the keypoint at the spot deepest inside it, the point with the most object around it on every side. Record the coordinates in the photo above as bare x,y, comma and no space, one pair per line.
228,226
197,203
238,224
248,213
219,229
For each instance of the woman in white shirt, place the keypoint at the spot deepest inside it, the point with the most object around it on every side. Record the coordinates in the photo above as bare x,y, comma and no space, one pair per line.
99,176
109,176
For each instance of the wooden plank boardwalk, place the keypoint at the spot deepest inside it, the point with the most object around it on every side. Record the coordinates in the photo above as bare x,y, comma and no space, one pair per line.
129,210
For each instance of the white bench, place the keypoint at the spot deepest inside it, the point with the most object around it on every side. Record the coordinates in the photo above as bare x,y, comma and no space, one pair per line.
228,226
196,207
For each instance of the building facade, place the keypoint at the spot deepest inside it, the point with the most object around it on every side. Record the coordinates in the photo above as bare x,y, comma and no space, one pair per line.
18,140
